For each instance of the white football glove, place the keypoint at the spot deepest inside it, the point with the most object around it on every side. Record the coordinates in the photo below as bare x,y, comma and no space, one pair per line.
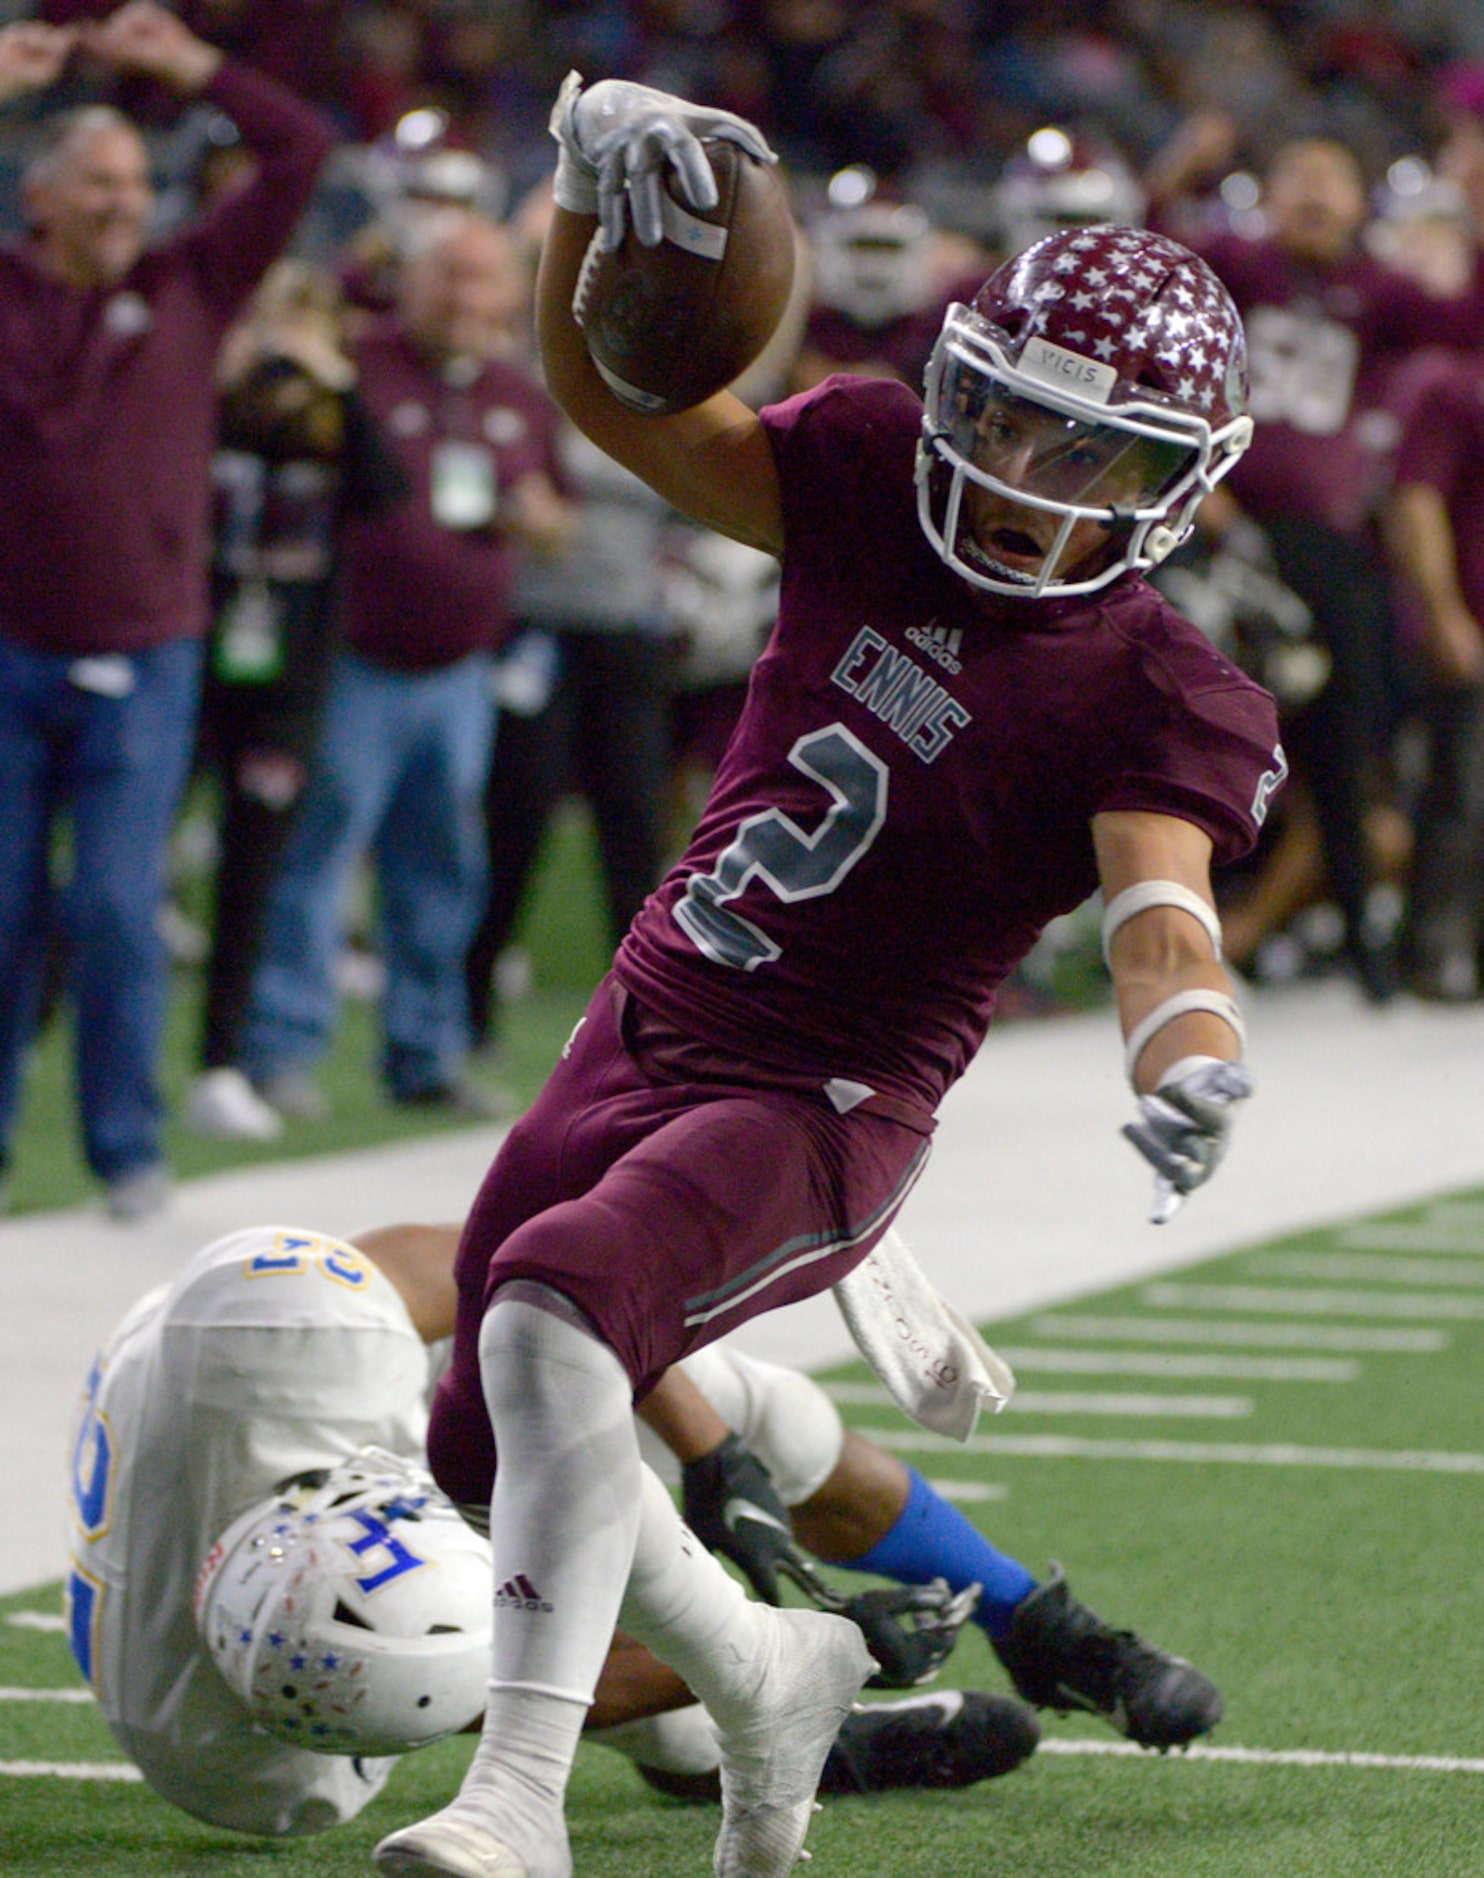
616,140
1183,1127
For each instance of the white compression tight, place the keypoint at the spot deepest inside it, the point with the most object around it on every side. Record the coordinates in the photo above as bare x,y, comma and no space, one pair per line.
573,1510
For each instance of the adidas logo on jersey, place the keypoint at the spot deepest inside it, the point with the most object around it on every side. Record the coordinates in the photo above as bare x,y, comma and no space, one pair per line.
519,1594
940,643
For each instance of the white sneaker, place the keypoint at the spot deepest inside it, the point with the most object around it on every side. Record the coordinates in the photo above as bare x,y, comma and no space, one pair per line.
294,1094
771,1763
454,1844
223,1102
136,1197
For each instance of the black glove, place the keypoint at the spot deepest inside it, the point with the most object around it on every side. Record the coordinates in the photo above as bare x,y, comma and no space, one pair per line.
732,1508
910,1629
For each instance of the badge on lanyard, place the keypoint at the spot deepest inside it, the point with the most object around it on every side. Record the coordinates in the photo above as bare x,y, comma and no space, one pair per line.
464,490
249,645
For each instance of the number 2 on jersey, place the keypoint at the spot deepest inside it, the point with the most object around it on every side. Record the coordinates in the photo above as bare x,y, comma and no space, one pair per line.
794,865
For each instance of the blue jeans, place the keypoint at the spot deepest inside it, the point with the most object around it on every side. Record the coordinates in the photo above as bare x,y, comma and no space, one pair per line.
399,774
105,744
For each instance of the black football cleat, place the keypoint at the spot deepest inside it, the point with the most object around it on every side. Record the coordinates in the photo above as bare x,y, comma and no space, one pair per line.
1062,1656
950,1738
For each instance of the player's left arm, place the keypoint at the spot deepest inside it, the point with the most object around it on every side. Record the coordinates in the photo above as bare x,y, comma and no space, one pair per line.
714,462
1183,1034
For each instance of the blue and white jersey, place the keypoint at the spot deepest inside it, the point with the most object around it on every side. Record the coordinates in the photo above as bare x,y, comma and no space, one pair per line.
274,1351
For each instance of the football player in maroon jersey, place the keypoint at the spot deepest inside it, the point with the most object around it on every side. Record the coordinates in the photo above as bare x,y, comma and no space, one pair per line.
973,713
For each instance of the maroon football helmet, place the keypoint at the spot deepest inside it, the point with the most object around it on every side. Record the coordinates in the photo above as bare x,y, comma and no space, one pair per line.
1100,377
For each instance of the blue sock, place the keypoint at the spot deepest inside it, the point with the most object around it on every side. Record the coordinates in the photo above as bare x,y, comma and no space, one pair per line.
932,1539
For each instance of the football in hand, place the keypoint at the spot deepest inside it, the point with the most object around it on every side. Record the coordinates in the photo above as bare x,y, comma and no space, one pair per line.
667,326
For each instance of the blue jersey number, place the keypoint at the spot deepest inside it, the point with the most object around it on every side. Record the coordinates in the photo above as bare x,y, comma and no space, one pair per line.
775,850
93,1457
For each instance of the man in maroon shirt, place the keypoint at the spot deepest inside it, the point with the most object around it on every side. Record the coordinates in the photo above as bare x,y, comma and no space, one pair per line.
1436,533
1326,326
405,740
971,715
107,422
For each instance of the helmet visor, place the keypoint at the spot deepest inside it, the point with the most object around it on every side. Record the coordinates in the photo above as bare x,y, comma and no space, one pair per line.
1012,442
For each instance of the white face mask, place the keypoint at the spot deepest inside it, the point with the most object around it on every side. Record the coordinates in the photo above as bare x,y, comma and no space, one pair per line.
1034,477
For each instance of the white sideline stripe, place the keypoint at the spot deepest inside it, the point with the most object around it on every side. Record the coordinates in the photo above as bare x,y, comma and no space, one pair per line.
37,1620
1255,1336
1211,1408
1317,1303
1367,1267
1279,1757
69,1770
1169,1363
46,1695
1441,1237
1201,1453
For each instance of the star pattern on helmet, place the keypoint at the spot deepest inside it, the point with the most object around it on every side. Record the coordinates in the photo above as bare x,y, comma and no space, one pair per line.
1131,298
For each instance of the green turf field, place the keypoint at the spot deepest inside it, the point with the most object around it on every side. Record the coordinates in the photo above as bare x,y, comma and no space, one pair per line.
1271,1462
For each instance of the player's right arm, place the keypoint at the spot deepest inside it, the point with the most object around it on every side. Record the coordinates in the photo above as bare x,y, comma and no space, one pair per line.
713,462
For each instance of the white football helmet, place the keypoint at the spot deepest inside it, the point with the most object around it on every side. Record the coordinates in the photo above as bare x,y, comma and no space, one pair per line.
1063,179
872,261
1100,377
351,1611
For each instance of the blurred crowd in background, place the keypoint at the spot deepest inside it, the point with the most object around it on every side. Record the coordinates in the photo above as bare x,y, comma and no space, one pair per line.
1327,157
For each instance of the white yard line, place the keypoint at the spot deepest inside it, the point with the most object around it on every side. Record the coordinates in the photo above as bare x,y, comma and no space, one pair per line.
1244,1336
1433,1235
969,1492
46,1695
1024,1359
1365,1268
1231,1756
69,1770
1213,1408
1192,1453
1280,1757
1324,1303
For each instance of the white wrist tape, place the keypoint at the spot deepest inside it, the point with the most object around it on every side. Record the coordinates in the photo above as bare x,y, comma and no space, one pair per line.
1216,1002
1177,1072
575,185
1146,893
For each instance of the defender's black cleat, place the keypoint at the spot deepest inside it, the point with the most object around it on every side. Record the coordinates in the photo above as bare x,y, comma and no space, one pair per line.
950,1738
1062,1656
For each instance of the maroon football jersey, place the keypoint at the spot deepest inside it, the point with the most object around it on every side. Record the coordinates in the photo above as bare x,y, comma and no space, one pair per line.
907,799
